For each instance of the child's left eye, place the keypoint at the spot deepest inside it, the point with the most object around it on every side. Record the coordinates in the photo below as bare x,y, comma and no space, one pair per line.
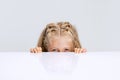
67,50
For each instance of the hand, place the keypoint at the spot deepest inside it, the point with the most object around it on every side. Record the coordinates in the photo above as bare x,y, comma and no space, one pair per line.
36,50
80,50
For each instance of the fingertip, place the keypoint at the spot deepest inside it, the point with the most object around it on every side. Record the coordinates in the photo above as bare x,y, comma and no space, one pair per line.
39,49
79,51
85,50
35,51
75,50
31,50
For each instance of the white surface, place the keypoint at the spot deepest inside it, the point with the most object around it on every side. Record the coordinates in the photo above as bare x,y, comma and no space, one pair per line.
60,66
97,22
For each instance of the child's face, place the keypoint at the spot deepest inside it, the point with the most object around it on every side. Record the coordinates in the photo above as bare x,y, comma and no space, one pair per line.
60,44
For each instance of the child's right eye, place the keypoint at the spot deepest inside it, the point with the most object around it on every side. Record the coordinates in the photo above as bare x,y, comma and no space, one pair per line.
54,50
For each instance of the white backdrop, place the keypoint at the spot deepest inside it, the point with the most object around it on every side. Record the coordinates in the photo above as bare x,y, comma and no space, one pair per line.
97,21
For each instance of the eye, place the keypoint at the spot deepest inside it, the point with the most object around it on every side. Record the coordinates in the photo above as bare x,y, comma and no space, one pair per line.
67,50
54,50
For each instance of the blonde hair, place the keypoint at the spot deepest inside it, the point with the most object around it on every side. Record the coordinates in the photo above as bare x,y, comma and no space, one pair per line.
60,28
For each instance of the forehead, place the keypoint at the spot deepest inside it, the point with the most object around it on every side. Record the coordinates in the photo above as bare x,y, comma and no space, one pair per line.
60,39
60,42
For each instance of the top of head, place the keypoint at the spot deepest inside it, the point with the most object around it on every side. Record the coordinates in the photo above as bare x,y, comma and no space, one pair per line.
59,29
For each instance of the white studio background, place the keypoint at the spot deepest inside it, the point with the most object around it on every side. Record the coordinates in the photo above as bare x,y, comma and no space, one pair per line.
97,22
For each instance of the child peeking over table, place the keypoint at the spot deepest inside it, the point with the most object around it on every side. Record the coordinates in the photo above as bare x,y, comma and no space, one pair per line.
59,37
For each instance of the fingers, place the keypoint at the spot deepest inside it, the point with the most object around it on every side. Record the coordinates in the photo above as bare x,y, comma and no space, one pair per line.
36,50
80,50
84,50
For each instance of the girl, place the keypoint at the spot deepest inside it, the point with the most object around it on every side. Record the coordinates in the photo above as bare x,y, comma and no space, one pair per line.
59,37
